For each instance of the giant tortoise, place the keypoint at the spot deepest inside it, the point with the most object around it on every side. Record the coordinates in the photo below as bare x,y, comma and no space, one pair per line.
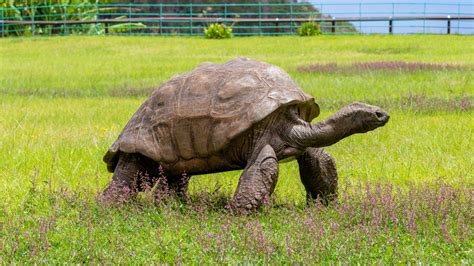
243,114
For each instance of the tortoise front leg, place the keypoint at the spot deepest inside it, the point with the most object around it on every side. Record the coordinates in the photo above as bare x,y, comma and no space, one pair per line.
132,174
318,175
258,180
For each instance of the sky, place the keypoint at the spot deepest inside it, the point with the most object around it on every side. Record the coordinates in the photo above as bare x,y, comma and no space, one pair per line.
349,8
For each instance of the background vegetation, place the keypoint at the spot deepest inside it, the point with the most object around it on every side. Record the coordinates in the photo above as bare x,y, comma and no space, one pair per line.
406,190
91,10
309,29
218,31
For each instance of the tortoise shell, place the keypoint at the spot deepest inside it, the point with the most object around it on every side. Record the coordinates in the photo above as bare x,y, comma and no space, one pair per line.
197,113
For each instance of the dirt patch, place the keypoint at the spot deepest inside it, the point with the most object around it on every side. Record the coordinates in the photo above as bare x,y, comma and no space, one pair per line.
378,65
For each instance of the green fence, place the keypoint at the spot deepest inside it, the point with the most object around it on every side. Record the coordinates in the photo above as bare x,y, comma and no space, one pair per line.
245,19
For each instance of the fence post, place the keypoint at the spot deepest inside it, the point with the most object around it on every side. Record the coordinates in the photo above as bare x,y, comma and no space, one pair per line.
390,25
291,16
161,18
333,25
105,18
391,21
32,21
277,25
64,20
225,12
260,17
129,18
449,24
3,24
191,19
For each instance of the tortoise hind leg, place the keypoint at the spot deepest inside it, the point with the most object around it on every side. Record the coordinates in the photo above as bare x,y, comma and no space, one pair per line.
318,175
132,174
257,181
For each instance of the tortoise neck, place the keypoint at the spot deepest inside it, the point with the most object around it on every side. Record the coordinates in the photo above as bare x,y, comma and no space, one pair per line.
324,133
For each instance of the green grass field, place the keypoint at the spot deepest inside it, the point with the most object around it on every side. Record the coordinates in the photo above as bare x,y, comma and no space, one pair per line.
406,190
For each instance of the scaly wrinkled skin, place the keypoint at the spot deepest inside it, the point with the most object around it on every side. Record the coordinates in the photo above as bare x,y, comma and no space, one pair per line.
283,134
318,175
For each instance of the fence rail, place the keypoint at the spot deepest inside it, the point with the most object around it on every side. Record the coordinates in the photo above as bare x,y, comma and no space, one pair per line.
246,19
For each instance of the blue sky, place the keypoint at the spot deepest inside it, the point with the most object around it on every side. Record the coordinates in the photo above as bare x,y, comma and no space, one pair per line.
346,8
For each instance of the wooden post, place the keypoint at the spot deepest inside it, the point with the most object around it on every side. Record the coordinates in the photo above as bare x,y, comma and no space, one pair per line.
277,25
390,25
449,24
106,28
333,25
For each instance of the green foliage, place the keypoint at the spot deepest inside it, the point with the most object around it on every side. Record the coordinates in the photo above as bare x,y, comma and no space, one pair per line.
218,31
80,10
52,10
126,27
309,29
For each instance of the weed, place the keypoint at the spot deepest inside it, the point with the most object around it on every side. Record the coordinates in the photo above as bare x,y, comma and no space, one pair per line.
309,29
218,31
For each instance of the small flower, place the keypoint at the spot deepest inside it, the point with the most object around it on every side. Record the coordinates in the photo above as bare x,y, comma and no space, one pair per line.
126,190
334,226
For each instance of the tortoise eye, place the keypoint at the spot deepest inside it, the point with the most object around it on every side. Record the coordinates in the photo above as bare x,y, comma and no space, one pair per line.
297,111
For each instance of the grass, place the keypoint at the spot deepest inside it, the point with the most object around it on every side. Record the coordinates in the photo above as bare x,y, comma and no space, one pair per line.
405,189
99,66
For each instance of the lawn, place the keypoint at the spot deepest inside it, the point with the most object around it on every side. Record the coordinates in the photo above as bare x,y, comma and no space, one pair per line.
406,190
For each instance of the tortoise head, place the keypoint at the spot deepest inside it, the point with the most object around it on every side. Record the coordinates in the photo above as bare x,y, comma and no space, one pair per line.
361,117
351,119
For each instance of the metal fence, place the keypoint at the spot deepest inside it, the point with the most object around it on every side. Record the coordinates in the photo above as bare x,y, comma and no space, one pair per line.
245,19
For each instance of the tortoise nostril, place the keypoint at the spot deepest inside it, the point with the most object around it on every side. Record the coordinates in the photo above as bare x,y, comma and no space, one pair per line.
379,115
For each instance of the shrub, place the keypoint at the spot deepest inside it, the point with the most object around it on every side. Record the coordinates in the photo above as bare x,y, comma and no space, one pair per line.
127,27
309,29
218,31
